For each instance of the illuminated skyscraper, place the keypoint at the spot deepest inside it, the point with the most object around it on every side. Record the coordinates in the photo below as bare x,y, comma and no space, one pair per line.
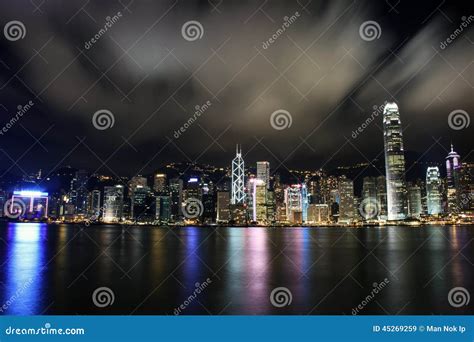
346,204
318,213
223,210
135,182
453,168
238,171
294,203
94,203
263,172
369,188
113,203
259,201
79,192
394,163
382,197
414,201
433,195
143,208
176,193
305,202
159,182
163,208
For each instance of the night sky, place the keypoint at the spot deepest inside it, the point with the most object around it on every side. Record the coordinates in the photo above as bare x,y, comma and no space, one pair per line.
150,78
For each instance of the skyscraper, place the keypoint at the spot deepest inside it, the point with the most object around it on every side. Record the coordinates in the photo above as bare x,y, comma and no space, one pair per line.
163,208
318,213
259,201
223,211
176,193
113,203
159,182
466,187
143,208
79,193
346,205
369,188
382,197
238,171
394,163
433,195
414,201
453,167
135,182
263,172
294,203
94,203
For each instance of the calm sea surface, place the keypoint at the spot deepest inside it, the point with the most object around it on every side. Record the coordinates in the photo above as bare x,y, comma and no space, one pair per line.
55,269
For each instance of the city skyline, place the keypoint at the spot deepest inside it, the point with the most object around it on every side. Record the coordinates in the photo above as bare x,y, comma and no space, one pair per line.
243,197
213,157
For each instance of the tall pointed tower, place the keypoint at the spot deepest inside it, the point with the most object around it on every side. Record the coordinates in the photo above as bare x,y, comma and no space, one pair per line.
453,166
394,163
238,171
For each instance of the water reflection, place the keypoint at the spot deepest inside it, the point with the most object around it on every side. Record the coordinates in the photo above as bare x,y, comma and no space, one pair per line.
328,270
24,268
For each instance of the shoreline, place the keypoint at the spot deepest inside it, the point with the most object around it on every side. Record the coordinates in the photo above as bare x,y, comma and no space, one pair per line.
361,225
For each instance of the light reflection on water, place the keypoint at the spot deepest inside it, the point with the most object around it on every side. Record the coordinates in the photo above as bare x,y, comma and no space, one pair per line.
153,270
23,268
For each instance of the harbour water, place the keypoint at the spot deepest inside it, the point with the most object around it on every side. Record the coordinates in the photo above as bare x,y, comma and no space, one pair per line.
55,269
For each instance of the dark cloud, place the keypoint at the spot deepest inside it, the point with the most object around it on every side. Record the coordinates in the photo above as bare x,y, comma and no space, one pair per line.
151,79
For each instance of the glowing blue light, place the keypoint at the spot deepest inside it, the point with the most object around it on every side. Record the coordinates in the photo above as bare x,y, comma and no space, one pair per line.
29,193
193,180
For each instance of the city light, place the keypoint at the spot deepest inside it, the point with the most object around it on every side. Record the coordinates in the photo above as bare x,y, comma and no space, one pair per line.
30,193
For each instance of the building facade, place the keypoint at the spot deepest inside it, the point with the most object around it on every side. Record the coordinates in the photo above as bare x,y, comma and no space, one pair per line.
394,163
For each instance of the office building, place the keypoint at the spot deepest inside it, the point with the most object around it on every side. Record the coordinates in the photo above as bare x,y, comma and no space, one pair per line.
346,203
318,213
414,202
223,209
159,182
263,172
433,195
113,203
394,163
